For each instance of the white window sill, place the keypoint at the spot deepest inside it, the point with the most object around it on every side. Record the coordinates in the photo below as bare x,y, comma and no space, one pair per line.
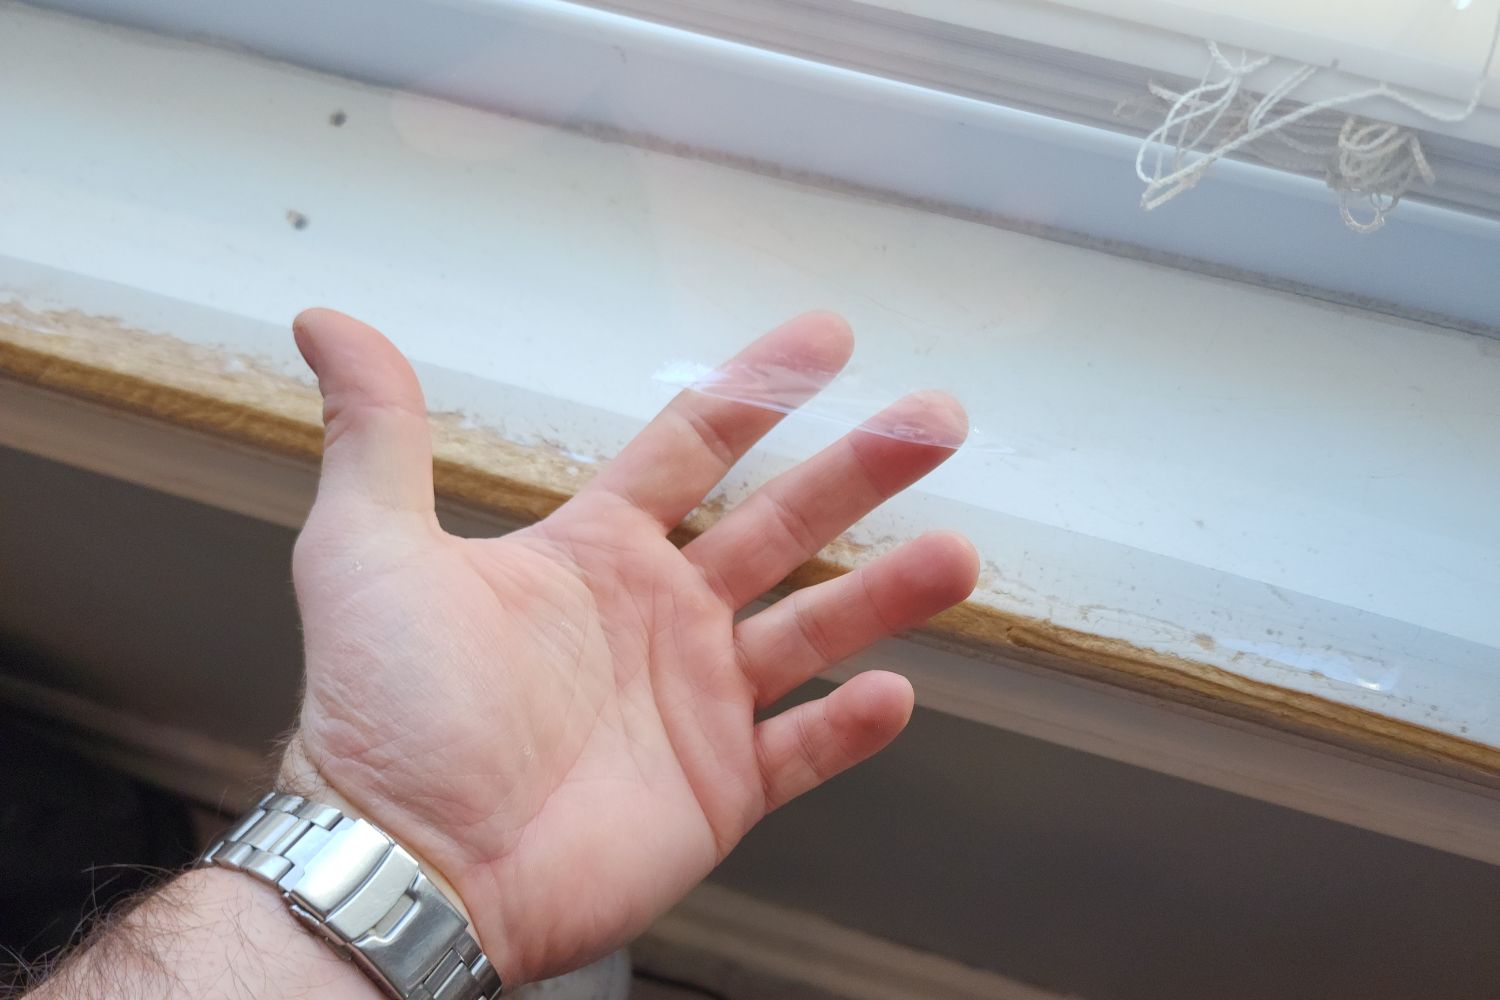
1259,492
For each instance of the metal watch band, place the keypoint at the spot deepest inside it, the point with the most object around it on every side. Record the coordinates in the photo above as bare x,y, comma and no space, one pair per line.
363,893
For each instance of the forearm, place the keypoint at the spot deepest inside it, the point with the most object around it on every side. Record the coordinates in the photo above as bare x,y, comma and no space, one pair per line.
207,934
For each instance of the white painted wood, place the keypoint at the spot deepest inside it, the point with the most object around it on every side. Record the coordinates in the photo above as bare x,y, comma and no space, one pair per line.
1263,483
899,102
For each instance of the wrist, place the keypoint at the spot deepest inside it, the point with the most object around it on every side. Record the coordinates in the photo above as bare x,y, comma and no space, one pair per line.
353,884
298,776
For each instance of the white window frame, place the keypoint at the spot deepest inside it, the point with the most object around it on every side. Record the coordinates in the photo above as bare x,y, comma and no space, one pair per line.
581,67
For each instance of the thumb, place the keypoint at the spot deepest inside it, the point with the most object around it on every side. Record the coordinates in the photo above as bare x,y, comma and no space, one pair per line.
377,449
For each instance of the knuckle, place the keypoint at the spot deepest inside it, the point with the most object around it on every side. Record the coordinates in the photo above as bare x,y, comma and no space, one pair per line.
711,435
794,523
810,751
813,631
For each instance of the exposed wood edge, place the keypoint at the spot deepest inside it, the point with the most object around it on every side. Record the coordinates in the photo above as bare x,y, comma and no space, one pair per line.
192,386
737,945
983,632
195,387
206,468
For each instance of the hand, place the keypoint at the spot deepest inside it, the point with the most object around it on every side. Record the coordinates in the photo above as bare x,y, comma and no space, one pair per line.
562,721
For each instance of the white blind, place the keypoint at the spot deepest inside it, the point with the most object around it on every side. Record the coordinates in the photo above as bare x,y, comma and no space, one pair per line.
1410,89
950,113
1434,47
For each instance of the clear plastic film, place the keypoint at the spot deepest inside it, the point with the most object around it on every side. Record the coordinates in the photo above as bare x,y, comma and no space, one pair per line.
849,400
1267,632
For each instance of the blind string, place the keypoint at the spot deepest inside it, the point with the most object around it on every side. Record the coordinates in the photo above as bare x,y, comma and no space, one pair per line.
1365,161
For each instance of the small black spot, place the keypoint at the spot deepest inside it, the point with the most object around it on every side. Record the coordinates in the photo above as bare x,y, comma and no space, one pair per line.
337,119
296,218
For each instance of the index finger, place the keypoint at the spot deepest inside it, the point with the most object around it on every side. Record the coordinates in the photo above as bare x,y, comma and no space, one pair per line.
670,466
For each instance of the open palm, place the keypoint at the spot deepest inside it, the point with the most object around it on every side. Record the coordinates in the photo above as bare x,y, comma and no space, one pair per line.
562,721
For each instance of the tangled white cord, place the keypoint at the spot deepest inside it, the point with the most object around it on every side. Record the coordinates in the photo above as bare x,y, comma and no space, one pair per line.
1363,160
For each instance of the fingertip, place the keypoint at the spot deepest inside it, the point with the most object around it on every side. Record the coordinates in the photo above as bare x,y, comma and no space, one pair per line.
946,415
930,417
805,746
930,573
833,323
303,325
824,340
953,559
348,354
891,695
310,326
876,706
314,316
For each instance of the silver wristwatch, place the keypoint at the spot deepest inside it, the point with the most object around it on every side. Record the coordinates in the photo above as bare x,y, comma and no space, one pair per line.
358,889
